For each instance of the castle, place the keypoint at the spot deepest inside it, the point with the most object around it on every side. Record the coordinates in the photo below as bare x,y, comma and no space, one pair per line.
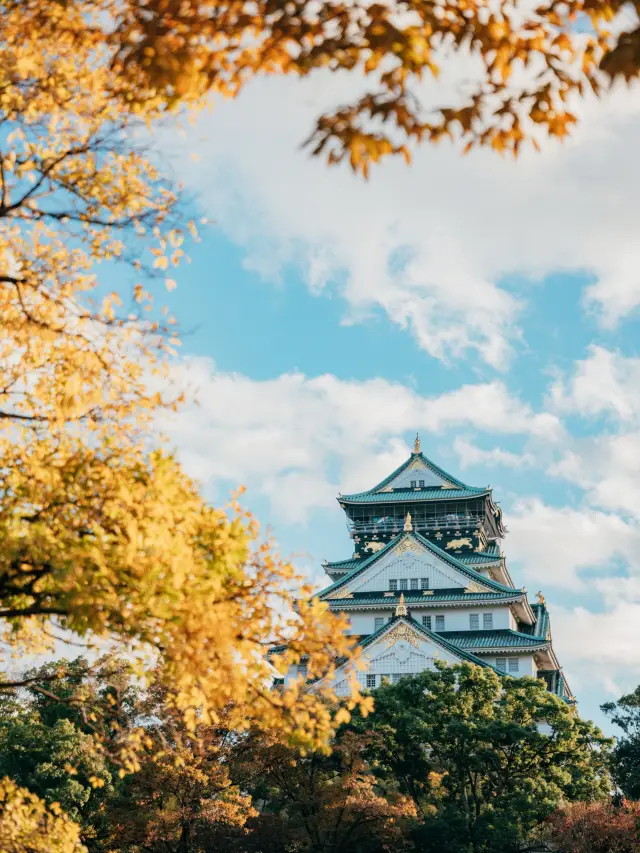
427,581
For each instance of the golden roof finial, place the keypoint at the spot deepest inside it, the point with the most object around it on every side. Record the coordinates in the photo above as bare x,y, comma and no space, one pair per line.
540,597
401,608
416,444
408,526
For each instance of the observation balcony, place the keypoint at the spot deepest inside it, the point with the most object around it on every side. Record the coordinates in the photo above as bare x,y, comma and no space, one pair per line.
389,526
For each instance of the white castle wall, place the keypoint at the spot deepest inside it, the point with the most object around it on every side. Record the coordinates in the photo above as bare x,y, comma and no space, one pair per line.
455,619
526,664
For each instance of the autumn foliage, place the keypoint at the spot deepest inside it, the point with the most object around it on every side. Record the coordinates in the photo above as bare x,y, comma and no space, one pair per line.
27,825
597,828
531,61
103,534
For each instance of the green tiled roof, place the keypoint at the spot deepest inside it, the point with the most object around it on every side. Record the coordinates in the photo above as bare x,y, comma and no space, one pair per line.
429,464
499,639
439,596
412,495
351,563
477,558
444,555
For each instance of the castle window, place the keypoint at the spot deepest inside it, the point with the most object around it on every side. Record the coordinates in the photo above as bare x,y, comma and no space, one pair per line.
421,484
474,621
393,585
439,623
404,583
378,623
487,621
424,583
426,621
371,681
414,583
501,664
413,484
514,665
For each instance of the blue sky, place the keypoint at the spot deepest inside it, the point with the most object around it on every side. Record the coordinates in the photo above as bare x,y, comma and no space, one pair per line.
491,305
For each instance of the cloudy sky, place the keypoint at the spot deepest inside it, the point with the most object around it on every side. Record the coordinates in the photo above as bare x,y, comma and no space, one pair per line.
490,305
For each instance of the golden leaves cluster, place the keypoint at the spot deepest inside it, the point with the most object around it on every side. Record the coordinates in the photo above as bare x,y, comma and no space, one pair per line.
28,825
531,62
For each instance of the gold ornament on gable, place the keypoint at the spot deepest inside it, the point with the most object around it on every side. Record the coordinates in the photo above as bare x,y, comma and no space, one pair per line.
407,546
402,632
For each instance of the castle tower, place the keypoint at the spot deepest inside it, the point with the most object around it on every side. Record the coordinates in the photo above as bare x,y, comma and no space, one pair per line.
427,581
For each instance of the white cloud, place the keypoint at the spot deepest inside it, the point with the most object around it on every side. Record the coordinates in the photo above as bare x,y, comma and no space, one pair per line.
599,650
605,464
299,440
607,467
603,383
556,545
470,455
431,244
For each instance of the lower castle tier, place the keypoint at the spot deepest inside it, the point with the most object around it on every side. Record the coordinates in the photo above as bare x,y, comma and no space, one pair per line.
427,581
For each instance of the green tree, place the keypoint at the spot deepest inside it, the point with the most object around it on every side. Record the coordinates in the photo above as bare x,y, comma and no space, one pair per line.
486,759
58,739
58,762
625,756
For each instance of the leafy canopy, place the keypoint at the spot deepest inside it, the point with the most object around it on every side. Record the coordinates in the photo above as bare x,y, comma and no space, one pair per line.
530,60
596,828
27,825
625,756
486,759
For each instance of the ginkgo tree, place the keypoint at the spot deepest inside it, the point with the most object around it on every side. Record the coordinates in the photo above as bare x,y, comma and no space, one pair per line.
103,535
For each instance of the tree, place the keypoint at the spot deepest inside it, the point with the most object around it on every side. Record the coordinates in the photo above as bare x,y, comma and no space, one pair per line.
103,534
177,801
596,828
321,803
187,788
48,739
163,53
59,764
182,789
625,756
485,759
28,826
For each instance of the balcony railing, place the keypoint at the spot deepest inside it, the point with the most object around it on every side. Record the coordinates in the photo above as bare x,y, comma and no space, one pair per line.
393,526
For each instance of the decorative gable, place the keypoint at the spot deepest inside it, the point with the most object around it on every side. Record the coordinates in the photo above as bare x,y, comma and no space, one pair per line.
408,560
417,470
401,649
